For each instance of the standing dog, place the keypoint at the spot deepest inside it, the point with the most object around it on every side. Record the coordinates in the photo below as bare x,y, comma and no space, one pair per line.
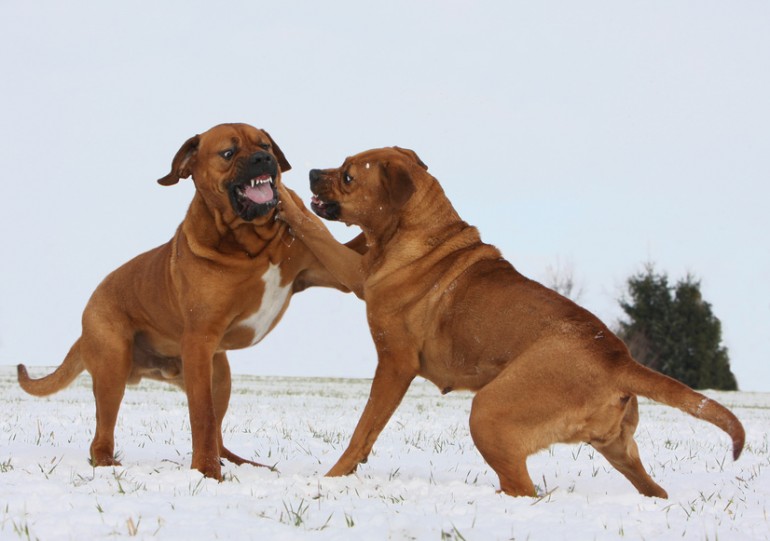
222,282
443,305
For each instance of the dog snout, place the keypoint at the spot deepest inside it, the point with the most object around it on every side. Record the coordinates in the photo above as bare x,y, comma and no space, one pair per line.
260,158
315,178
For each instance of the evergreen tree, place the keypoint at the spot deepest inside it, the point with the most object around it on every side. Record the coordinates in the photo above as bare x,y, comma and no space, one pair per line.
672,329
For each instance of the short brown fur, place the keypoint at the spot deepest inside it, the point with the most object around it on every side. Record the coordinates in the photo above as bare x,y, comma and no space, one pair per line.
172,313
443,305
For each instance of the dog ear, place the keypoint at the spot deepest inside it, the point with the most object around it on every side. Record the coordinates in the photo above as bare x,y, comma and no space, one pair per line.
180,165
400,186
282,161
412,156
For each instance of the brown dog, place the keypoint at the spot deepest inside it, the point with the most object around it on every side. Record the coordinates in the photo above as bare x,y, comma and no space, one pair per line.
221,283
443,305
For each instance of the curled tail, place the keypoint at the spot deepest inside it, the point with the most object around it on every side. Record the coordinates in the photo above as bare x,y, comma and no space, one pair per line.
641,380
58,379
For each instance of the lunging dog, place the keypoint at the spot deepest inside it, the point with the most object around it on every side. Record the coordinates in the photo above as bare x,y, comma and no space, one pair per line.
222,282
443,305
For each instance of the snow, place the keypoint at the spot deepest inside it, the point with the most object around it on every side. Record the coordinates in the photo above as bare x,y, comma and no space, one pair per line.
424,480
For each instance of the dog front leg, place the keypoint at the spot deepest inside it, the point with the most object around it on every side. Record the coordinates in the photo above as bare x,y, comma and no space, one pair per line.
197,361
388,388
343,261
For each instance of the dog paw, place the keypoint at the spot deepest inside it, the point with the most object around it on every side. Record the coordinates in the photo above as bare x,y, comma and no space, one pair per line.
97,462
209,468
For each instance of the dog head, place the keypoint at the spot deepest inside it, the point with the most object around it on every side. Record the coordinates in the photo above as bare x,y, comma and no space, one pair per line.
235,167
369,188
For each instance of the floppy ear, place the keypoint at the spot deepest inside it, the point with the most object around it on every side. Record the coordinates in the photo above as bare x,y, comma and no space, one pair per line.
180,165
400,186
412,156
283,163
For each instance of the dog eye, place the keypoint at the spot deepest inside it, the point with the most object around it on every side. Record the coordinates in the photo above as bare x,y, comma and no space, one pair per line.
264,146
347,179
227,154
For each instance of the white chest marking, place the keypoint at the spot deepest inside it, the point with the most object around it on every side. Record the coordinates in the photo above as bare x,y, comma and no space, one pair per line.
273,301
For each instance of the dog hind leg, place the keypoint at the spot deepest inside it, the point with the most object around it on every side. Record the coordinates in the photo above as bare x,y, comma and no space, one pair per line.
623,453
501,443
109,363
520,412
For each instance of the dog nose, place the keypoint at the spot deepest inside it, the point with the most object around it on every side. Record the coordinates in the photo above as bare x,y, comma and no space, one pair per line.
260,157
315,176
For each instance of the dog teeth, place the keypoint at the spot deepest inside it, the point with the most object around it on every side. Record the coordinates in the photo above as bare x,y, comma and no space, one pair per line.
254,181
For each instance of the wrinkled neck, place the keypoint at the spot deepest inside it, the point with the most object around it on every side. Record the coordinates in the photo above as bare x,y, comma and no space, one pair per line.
212,232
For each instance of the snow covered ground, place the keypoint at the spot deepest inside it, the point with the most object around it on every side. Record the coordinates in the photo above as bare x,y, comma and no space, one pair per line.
424,480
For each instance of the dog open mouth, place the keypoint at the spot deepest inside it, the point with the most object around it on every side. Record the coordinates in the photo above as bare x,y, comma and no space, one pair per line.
254,197
329,210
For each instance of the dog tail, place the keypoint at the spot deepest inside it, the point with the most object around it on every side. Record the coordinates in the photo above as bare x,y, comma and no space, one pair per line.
641,380
58,379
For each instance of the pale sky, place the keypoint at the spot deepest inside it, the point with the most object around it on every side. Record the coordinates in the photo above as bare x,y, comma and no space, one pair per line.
593,135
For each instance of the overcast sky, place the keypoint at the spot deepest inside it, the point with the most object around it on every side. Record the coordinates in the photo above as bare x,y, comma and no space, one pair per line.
595,136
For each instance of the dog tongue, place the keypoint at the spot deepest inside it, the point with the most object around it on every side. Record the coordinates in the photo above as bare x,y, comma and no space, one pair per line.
261,193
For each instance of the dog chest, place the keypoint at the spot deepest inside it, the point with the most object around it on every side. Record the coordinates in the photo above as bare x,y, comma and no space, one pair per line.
273,302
